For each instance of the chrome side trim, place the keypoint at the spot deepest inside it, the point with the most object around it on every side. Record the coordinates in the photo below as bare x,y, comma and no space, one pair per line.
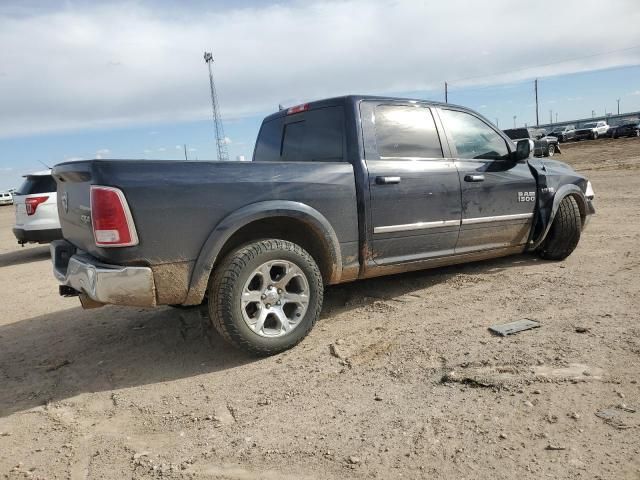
416,226
497,218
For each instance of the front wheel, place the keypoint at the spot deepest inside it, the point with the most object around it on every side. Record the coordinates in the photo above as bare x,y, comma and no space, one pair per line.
564,235
265,297
551,150
594,136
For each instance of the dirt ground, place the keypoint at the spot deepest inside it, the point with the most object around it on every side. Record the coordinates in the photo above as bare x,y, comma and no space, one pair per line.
417,388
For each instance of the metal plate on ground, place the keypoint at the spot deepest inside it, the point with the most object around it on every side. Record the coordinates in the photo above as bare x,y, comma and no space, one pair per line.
514,327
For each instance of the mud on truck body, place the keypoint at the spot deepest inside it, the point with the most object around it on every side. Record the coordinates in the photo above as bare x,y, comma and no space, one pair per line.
338,190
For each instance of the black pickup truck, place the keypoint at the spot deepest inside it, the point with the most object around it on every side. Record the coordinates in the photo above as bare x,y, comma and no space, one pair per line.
543,145
338,190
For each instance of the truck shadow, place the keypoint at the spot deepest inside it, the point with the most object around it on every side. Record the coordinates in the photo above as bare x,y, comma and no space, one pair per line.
69,352
340,298
65,353
24,255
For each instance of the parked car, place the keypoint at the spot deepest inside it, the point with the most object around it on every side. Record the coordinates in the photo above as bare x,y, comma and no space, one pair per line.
544,146
564,134
629,129
6,198
338,190
592,130
36,209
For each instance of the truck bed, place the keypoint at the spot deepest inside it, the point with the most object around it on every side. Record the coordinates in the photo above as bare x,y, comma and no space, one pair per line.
176,204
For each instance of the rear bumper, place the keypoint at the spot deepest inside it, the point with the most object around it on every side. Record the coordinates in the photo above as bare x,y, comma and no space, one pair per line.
37,236
99,282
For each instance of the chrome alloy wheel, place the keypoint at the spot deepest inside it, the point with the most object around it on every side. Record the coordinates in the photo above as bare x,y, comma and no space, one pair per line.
275,298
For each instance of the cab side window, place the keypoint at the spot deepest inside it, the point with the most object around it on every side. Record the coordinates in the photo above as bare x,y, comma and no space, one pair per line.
406,132
473,138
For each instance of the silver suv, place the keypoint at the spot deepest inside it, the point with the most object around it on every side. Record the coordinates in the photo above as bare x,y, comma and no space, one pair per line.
37,210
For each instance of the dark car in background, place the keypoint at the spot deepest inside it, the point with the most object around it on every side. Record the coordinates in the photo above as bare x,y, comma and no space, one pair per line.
628,129
544,145
564,133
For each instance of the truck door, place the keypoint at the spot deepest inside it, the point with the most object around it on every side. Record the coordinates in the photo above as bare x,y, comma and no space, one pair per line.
498,194
414,190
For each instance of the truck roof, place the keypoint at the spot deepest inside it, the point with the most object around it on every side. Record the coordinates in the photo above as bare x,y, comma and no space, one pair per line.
351,99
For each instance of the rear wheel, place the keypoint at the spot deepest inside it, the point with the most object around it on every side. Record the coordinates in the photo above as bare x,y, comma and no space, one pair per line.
265,297
564,235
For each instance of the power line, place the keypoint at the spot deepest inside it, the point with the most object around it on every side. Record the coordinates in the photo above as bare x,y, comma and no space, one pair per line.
566,60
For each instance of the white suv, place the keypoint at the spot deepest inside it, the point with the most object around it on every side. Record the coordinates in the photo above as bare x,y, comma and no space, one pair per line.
6,198
37,210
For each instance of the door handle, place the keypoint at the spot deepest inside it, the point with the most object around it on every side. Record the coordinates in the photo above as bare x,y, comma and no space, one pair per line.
387,180
474,178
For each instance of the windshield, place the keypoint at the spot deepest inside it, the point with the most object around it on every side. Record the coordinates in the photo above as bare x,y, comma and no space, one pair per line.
589,125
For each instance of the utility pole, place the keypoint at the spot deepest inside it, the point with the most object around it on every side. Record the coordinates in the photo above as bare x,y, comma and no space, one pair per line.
618,100
556,117
514,121
221,140
593,113
446,92
536,88
551,116
497,122
185,152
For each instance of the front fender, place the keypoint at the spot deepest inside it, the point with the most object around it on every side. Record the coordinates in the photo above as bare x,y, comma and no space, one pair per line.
548,213
242,217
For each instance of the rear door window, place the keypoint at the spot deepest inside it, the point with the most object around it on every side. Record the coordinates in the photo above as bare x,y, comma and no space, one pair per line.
406,132
37,184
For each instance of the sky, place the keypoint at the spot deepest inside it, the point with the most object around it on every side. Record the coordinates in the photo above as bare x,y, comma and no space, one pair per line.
90,79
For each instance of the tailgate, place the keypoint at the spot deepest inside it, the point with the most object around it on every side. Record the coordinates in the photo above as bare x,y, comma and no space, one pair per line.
74,206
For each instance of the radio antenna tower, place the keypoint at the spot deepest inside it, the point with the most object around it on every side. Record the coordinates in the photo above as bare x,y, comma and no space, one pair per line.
221,140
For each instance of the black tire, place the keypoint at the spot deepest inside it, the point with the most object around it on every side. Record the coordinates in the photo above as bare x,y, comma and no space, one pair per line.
226,286
594,136
551,150
564,234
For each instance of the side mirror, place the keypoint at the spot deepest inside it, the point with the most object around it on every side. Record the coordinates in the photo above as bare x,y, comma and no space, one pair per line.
523,149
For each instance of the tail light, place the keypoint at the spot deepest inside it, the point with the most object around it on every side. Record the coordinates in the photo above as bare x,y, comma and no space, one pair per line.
111,218
32,203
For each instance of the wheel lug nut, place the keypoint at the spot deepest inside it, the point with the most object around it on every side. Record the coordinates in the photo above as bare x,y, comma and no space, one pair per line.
268,305
263,296
278,302
279,290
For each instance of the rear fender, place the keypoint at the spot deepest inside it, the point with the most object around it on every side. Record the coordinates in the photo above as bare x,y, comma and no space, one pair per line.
242,217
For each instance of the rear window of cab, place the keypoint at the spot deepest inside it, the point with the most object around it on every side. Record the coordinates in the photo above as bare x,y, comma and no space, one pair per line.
311,136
